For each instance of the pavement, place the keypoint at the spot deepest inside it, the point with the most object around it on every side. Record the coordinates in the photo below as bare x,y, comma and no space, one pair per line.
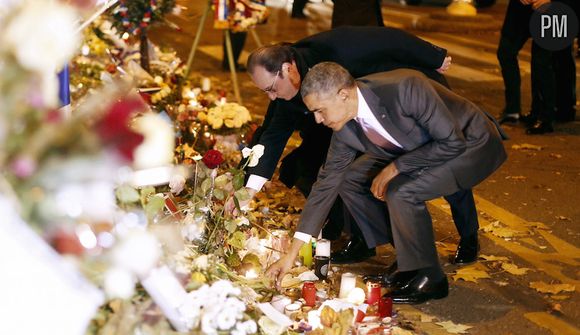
529,211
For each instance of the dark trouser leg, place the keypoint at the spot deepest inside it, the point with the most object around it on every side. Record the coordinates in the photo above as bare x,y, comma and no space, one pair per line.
298,8
464,212
238,40
543,84
369,213
507,54
410,220
565,70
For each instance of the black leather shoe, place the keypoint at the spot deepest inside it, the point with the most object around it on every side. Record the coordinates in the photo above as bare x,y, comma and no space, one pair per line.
355,251
540,127
466,251
419,289
392,278
528,120
509,118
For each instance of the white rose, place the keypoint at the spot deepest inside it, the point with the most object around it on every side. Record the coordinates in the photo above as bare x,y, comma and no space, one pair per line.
42,35
157,147
137,252
176,183
254,154
119,283
201,262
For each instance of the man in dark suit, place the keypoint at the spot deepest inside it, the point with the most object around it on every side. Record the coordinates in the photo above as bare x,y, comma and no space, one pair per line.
419,141
278,71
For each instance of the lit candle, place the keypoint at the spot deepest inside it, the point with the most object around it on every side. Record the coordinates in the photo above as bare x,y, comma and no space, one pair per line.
205,84
323,248
347,283
373,292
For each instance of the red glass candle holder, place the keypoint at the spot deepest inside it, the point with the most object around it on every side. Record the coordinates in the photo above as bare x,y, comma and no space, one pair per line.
373,292
385,307
309,293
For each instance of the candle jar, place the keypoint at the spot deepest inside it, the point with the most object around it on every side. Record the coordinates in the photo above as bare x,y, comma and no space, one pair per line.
309,293
385,307
321,265
305,254
347,283
323,248
291,310
373,292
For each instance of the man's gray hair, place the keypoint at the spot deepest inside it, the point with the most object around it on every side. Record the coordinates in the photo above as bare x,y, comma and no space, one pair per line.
326,78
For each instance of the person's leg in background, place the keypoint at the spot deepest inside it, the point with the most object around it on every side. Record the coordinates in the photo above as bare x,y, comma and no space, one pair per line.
543,90
298,9
514,35
238,40
565,70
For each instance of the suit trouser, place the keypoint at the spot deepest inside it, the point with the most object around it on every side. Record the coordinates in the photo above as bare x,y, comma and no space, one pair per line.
565,70
410,223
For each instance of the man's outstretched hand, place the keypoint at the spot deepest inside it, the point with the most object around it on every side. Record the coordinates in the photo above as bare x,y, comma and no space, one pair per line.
277,270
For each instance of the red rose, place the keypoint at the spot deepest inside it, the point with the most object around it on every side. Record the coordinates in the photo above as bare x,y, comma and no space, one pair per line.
114,130
212,158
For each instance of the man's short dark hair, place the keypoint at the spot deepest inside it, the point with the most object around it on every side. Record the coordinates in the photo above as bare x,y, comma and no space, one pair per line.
270,57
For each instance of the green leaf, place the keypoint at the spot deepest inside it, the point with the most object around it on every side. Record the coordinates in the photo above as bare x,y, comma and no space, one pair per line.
127,194
237,240
238,181
206,185
219,194
231,226
233,260
154,205
221,181
242,194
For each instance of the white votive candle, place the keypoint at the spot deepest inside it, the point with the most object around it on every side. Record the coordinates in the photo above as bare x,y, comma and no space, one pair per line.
347,283
280,302
205,84
323,248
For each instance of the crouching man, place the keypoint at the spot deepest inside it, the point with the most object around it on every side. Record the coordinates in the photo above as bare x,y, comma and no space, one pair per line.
419,141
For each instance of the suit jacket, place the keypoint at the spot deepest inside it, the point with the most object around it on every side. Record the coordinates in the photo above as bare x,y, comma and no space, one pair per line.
435,126
362,51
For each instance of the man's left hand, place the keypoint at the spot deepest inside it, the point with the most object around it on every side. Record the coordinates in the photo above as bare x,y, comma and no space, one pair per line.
379,186
445,66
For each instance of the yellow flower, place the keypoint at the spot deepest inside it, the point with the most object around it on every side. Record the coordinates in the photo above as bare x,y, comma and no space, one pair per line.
198,277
